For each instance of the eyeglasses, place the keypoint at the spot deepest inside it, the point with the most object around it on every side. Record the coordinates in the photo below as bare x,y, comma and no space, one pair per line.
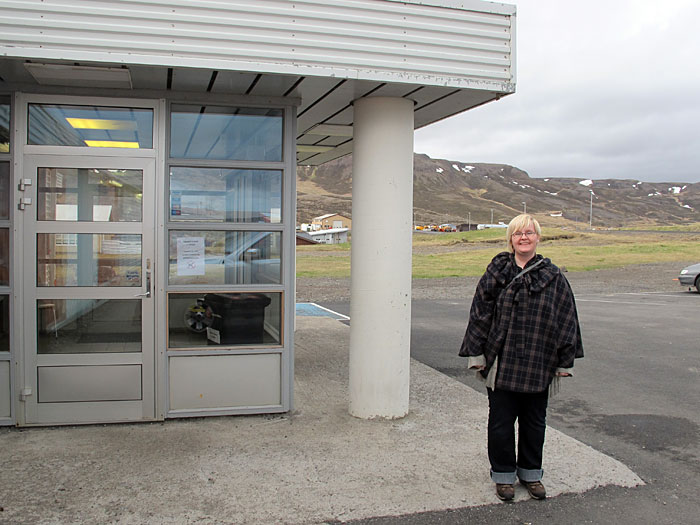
528,234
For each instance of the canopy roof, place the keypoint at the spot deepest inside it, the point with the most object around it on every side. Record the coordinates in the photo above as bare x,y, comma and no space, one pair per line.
447,56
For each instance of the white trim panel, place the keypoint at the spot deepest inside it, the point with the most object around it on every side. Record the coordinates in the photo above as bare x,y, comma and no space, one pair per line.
224,381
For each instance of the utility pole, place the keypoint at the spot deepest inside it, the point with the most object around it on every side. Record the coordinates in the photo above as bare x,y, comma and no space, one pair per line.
469,224
524,207
491,215
590,216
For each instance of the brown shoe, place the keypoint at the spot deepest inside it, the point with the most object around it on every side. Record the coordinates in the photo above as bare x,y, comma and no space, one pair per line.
505,492
535,489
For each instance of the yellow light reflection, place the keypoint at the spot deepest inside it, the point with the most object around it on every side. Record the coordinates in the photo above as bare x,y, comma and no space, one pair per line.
4,147
111,144
96,123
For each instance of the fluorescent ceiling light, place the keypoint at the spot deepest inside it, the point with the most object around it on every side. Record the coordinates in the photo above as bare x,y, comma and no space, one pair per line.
111,144
88,76
331,130
95,123
302,148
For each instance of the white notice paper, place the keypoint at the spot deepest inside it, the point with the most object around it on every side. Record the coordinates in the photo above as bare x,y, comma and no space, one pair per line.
213,335
190,256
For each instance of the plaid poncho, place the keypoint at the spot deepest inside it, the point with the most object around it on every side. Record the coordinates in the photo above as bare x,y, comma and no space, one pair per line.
531,324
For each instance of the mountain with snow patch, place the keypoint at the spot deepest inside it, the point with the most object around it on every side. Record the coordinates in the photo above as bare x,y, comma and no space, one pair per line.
449,191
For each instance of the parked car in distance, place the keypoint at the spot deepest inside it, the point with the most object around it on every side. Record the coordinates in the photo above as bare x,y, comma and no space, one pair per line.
690,276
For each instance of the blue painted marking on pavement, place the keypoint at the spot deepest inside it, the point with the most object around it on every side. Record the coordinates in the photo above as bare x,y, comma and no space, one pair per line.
314,310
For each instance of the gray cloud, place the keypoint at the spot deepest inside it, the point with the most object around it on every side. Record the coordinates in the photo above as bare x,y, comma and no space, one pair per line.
605,89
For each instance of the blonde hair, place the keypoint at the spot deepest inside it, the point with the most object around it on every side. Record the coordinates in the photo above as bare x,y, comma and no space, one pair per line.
519,223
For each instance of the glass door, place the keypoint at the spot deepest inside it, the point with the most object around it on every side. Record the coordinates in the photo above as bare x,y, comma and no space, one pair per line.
88,288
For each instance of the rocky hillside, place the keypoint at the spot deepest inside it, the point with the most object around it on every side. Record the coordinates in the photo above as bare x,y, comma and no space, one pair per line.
447,191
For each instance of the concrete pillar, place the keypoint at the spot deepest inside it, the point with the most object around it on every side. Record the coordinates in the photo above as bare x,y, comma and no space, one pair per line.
380,301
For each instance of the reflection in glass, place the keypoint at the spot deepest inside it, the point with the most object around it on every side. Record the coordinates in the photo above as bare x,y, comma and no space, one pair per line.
88,326
4,190
225,195
82,194
224,319
225,133
224,257
4,257
4,125
4,323
91,126
87,259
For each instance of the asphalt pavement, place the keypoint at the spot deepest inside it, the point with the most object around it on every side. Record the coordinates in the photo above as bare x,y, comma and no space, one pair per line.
634,397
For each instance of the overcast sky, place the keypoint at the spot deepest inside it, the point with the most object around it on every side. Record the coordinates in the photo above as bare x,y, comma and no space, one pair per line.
605,89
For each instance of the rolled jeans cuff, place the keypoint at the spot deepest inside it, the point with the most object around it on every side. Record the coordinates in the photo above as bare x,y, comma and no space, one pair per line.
530,475
503,478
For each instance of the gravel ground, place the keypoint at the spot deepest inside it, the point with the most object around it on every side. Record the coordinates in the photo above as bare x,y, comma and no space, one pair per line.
631,278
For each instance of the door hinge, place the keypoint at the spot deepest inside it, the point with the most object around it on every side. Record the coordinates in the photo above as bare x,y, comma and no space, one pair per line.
25,393
24,201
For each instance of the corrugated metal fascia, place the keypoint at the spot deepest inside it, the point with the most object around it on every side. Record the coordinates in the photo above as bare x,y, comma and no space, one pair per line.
377,41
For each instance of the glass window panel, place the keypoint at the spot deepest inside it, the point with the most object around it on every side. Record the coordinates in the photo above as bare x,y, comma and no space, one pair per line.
88,326
4,125
225,195
4,257
4,323
87,259
4,190
89,194
225,133
223,319
90,126
224,257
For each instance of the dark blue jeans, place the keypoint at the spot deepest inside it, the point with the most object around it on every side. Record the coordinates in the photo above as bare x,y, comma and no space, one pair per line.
530,410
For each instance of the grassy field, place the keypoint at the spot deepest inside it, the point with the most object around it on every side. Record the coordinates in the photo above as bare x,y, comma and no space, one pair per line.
467,253
694,227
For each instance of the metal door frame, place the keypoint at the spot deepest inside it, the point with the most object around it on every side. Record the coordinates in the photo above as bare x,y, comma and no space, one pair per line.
28,157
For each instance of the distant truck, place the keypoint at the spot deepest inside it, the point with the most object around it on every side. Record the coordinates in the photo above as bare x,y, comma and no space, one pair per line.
447,228
487,226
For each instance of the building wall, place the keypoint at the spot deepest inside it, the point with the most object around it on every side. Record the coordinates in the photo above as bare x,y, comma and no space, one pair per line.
331,237
334,221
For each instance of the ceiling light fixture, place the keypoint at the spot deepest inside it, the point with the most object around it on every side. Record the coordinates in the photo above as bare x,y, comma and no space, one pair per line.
95,123
84,76
111,144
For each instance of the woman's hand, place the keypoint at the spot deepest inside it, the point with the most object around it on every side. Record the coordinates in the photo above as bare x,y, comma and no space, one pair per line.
563,374
478,367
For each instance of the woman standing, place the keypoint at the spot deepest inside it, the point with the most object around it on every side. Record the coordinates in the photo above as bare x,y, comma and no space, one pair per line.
523,335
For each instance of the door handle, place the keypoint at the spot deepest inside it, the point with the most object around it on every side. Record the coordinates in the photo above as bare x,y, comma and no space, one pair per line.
147,293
